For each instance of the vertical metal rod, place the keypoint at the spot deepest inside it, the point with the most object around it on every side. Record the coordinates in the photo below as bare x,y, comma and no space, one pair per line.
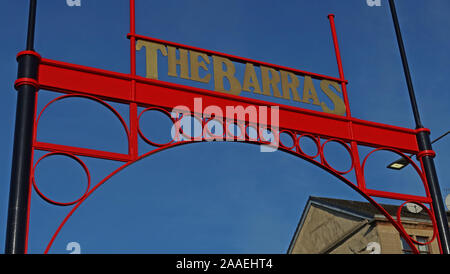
423,140
354,145
31,25
401,46
339,63
133,142
17,223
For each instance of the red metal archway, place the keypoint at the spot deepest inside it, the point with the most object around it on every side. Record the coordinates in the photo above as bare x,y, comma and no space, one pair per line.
135,91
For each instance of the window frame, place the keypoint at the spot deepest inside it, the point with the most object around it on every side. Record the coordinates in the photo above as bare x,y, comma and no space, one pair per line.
423,249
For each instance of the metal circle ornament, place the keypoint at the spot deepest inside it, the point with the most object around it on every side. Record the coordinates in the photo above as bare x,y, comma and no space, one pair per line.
292,138
348,150
216,125
46,198
428,212
314,139
160,110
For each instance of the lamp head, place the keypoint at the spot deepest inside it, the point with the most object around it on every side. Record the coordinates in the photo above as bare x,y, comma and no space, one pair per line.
399,164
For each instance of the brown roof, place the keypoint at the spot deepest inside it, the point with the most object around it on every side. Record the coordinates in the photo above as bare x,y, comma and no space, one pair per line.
368,210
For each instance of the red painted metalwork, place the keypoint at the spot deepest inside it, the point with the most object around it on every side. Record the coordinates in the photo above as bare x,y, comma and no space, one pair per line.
165,112
429,212
112,86
43,196
26,81
426,153
352,156
30,184
101,86
29,52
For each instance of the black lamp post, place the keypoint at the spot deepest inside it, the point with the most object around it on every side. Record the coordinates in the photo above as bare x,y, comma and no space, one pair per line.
16,228
423,140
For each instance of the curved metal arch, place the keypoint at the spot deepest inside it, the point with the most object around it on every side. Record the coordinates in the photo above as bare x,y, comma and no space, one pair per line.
397,224
89,97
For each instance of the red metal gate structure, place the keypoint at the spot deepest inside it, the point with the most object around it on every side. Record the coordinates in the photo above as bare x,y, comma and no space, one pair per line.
136,91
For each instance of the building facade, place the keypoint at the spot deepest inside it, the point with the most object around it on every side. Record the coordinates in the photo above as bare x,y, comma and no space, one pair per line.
335,226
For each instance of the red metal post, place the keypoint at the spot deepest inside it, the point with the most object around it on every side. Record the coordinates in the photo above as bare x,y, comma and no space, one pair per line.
339,63
133,142
358,172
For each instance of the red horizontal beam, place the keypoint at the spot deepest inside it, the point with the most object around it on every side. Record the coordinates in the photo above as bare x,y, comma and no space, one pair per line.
397,196
83,152
70,78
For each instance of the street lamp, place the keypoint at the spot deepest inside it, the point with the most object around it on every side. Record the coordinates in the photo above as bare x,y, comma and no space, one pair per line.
402,162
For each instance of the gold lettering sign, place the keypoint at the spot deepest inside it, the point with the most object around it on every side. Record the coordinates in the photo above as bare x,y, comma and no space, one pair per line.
193,65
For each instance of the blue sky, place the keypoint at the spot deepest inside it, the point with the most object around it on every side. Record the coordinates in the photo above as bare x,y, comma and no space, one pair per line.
209,197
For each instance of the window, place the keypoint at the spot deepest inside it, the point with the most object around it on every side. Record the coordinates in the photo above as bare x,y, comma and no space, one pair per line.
406,249
423,249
